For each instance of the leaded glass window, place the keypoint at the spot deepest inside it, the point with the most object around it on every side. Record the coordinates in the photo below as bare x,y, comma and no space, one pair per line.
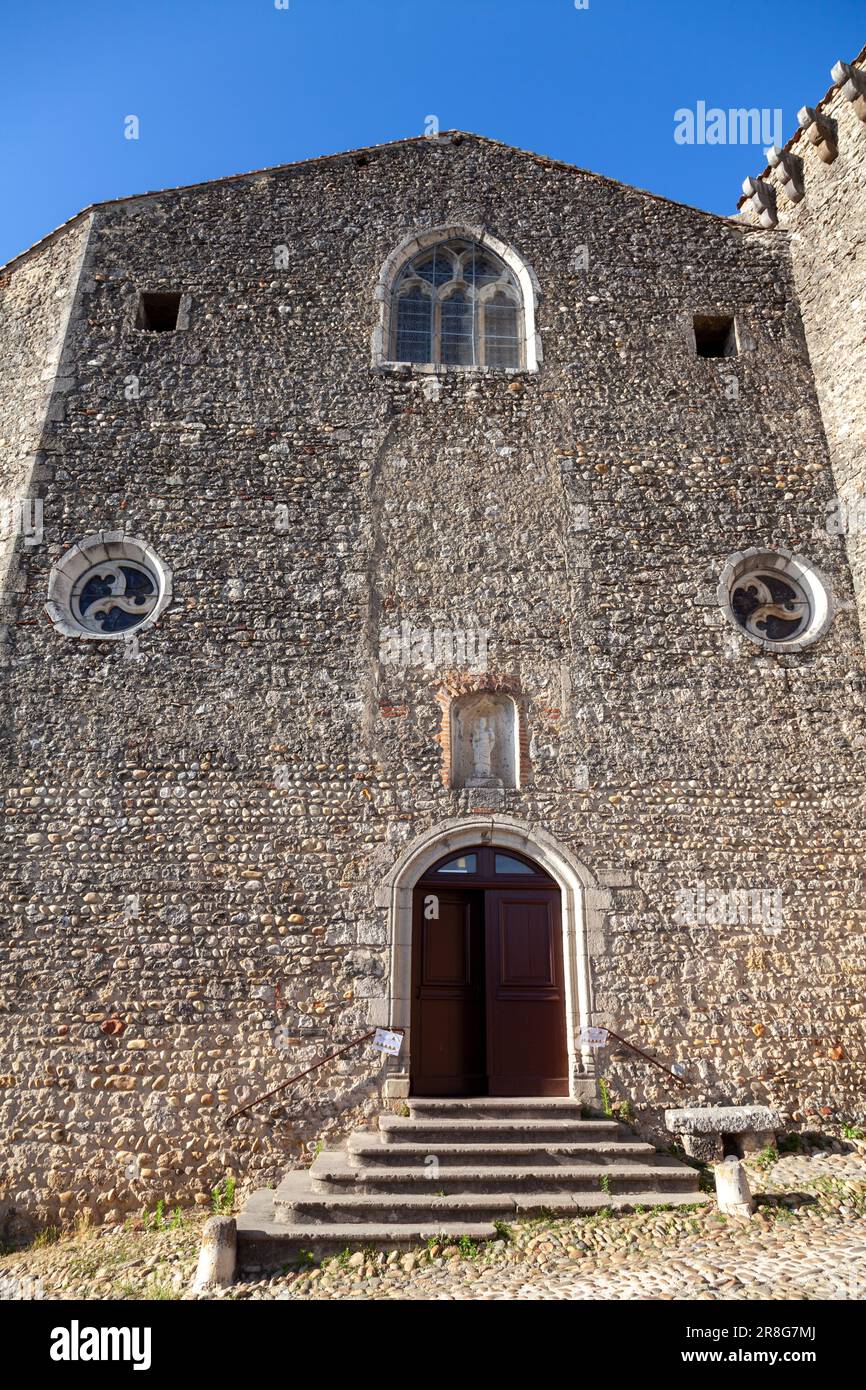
456,331
414,326
457,304
501,335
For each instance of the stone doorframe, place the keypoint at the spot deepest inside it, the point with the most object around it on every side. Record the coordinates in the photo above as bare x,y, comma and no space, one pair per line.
584,904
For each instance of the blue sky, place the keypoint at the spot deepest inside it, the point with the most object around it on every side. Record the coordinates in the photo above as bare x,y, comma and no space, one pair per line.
222,86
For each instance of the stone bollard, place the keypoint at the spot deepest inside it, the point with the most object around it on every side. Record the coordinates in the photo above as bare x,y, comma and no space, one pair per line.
732,1188
216,1262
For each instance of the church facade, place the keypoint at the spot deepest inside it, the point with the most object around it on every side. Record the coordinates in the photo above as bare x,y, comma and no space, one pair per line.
432,600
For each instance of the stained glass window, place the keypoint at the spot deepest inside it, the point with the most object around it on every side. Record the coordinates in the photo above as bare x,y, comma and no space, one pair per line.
457,304
114,596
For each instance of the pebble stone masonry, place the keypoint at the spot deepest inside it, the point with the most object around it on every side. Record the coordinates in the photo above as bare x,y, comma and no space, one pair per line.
205,828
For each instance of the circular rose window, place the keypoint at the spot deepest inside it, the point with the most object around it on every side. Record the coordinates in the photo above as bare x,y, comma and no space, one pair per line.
776,598
114,597
107,586
768,606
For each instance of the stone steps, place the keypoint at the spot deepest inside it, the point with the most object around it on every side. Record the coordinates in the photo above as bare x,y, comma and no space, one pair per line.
495,1162
397,1130
331,1173
502,1108
266,1244
295,1200
363,1150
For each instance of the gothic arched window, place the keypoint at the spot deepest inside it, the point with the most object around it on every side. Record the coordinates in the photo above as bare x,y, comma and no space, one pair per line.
457,304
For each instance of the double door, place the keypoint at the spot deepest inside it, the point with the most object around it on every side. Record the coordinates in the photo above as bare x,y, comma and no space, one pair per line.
488,1008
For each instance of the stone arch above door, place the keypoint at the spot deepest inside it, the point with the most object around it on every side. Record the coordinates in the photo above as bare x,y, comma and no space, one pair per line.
584,903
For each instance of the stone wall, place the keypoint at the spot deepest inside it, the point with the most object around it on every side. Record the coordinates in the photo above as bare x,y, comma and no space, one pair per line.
35,303
828,249
196,831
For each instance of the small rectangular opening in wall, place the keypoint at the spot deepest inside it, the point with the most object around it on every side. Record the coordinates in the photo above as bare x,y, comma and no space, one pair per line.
715,335
158,311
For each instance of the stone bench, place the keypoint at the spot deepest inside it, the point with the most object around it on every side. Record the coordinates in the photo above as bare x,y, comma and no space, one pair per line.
703,1129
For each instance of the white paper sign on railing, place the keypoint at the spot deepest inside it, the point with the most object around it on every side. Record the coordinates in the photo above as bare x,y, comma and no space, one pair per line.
386,1041
593,1037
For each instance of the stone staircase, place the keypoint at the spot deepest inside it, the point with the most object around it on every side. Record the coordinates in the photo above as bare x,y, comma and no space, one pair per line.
455,1168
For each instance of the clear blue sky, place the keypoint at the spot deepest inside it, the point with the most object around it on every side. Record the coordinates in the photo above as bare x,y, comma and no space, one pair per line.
222,86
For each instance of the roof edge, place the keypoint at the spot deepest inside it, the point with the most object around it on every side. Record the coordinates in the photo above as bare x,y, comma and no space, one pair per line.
819,106
315,160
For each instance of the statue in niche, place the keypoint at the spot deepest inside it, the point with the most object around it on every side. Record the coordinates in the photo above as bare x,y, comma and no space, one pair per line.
483,739
484,751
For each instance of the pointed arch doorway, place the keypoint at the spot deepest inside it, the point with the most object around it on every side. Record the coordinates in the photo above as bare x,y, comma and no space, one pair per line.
488,1006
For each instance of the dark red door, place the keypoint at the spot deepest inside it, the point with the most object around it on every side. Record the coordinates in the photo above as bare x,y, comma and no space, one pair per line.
448,993
526,1045
488,996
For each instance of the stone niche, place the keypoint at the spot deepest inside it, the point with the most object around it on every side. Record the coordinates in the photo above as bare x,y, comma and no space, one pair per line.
484,742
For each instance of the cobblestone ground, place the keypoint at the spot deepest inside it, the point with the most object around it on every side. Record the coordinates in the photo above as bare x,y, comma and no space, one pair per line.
806,1241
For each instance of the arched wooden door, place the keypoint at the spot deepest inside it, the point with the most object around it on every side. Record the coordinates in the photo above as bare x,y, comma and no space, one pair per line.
488,996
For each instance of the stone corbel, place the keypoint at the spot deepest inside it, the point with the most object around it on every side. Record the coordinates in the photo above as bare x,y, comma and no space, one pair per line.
790,171
852,82
819,132
761,201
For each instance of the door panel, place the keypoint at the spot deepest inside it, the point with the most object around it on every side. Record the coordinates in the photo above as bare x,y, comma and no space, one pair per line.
526,1045
448,995
526,956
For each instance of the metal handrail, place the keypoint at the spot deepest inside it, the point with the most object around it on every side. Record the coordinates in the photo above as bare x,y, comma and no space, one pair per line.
640,1052
356,1042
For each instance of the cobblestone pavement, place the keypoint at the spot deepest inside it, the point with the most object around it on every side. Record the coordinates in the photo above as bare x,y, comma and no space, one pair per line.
799,1263
806,1241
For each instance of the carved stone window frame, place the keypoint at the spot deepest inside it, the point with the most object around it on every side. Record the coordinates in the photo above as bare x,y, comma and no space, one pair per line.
95,549
801,572
410,247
